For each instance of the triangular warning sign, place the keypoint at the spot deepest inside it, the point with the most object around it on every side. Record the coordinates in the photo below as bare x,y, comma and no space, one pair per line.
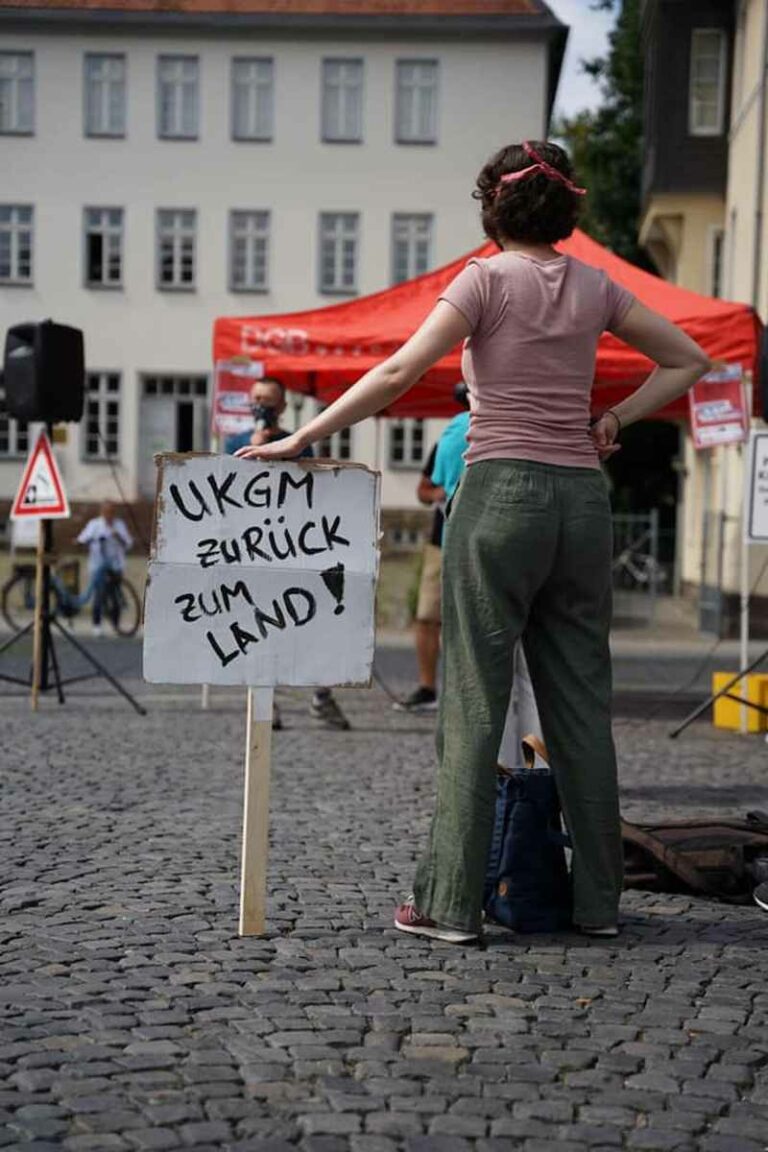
41,492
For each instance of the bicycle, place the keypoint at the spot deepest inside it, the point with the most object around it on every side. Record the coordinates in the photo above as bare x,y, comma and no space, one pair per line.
120,600
641,568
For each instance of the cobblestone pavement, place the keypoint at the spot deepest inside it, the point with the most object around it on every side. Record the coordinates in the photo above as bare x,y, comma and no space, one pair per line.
132,1016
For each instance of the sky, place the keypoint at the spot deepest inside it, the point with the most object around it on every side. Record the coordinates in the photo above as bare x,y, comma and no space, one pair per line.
588,37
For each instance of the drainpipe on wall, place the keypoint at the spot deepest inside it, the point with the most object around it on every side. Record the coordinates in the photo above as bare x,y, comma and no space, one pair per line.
760,191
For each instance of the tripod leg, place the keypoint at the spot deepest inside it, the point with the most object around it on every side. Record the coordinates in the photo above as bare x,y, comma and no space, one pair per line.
101,669
16,637
51,649
716,695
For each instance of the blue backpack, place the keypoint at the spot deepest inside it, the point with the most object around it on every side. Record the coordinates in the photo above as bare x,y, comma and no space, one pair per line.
527,883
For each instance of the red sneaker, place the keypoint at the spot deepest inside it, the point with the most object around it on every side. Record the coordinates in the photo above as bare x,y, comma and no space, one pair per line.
409,919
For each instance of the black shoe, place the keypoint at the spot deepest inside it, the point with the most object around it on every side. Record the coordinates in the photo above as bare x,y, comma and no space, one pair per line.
760,895
277,720
422,700
325,709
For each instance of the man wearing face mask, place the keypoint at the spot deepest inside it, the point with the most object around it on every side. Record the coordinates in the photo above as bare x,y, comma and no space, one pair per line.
267,405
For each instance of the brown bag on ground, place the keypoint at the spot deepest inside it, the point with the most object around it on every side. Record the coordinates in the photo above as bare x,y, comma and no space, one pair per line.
721,859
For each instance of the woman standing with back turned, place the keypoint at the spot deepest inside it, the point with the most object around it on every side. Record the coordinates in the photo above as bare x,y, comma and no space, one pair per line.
528,545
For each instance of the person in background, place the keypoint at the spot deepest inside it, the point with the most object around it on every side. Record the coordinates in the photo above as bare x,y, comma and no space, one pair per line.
108,540
437,484
268,404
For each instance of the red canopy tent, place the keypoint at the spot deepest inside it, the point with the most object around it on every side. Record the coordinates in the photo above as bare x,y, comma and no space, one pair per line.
322,351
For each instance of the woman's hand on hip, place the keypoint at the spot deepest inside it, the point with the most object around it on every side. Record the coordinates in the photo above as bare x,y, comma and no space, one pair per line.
604,432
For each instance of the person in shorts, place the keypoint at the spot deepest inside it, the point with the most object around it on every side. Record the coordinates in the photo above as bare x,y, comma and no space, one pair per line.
443,467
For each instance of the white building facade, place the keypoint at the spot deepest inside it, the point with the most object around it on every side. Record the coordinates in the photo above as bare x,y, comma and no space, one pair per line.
163,168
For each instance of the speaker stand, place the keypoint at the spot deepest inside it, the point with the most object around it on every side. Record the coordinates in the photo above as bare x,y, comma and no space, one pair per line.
49,659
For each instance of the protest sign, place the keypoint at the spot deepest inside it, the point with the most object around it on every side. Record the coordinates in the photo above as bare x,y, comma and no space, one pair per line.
233,380
261,574
717,408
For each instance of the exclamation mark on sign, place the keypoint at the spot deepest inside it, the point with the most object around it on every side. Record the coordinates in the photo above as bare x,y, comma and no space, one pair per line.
333,578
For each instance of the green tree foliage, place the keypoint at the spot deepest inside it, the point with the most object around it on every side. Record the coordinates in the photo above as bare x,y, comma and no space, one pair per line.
606,144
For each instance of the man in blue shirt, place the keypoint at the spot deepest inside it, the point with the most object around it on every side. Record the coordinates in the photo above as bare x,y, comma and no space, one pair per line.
437,485
267,405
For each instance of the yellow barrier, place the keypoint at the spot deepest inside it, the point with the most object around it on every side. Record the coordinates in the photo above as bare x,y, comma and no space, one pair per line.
727,713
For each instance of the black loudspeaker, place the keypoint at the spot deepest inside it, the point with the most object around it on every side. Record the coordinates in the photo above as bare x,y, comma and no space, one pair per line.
44,372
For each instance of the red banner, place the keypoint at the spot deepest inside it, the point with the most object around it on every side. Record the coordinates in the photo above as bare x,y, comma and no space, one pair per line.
717,407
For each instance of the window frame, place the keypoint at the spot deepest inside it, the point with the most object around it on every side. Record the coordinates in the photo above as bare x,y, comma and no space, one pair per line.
325,64
177,57
234,213
343,439
14,281
338,289
88,131
417,141
159,283
104,396
15,428
103,285
19,55
234,135
693,129
408,425
397,218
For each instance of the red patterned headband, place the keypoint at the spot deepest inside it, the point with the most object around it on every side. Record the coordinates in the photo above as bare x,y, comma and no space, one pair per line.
539,165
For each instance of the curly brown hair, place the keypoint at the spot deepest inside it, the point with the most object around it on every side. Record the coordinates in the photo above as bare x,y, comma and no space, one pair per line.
534,210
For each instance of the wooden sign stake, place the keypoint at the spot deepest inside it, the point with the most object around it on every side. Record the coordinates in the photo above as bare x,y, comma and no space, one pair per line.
37,631
255,852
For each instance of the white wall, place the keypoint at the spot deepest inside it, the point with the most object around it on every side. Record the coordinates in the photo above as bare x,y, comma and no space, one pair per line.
490,94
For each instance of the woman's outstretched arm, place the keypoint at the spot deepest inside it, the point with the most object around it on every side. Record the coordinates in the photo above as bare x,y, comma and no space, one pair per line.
442,330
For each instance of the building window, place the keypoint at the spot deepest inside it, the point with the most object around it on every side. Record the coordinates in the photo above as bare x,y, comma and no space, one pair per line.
105,94
406,443
16,227
101,421
176,233
338,252
178,93
14,434
104,247
707,82
342,102
716,258
249,251
411,246
416,102
182,387
252,99
17,93
337,446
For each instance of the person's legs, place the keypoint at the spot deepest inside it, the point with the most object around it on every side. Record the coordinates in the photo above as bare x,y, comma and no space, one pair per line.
427,652
97,603
566,643
426,634
500,539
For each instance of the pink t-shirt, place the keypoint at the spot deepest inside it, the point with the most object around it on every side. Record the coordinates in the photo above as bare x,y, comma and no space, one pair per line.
530,360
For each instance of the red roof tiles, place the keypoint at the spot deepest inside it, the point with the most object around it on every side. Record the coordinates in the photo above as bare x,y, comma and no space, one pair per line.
293,7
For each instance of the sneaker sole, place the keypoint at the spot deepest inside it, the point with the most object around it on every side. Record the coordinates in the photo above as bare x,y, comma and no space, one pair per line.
445,934
606,933
415,708
761,901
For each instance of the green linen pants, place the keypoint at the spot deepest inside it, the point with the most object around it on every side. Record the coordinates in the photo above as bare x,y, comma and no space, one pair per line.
527,553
